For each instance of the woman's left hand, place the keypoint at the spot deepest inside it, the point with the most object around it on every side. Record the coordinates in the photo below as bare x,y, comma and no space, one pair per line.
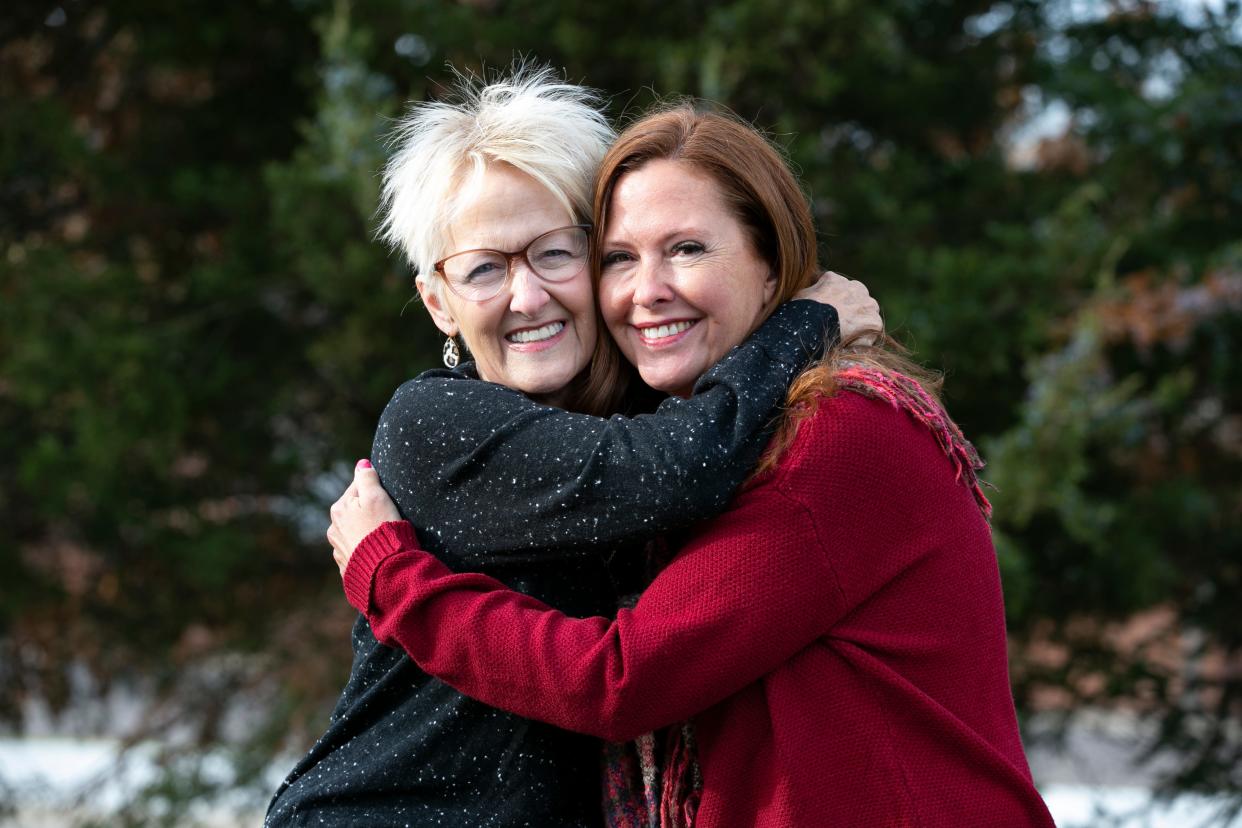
857,311
359,512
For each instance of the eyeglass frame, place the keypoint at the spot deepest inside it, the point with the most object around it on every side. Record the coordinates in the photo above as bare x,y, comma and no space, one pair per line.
438,267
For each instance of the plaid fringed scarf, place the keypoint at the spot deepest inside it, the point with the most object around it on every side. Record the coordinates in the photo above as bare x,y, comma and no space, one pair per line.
654,781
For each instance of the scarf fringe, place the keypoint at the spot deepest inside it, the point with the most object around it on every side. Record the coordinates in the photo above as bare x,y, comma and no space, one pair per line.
653,781
902,392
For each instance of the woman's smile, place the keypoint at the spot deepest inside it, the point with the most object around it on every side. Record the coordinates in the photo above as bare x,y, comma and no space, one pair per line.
537,338
664,334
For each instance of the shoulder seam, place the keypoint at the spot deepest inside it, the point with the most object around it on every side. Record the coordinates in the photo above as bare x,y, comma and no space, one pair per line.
819,541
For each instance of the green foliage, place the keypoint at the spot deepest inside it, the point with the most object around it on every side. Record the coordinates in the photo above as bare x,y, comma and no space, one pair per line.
198,331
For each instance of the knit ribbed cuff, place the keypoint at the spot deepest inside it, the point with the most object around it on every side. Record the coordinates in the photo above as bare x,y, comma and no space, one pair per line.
385,540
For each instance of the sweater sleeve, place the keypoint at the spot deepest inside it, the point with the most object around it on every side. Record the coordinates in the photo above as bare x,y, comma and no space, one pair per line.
863,496
484,468
735,604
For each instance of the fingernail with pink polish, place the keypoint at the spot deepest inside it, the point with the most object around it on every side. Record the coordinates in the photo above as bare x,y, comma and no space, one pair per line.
366,464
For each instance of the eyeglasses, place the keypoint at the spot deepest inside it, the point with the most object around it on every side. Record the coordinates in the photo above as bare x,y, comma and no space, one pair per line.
556,256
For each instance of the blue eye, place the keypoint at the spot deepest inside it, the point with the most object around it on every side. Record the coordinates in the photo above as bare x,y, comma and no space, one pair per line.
482,271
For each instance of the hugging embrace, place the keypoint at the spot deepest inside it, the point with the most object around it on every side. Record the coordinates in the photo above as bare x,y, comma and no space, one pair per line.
651,391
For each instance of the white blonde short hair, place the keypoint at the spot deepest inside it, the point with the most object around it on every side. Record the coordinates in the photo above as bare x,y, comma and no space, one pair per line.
531,119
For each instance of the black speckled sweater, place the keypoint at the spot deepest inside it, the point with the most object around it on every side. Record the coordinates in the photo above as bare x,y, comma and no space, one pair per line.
539,498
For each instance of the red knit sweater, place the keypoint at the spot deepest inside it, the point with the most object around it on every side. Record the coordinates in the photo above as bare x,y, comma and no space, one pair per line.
837,636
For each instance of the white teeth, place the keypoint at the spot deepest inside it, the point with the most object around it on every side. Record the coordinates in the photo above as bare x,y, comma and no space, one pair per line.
661,331
536,335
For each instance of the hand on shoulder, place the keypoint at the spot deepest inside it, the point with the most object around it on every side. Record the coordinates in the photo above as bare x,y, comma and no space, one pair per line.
359,512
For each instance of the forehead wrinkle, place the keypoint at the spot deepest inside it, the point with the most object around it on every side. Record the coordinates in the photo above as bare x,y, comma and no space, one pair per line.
677,232
500,216
662,200
633,224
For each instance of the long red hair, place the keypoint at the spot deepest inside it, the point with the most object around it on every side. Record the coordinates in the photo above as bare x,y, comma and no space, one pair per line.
756,182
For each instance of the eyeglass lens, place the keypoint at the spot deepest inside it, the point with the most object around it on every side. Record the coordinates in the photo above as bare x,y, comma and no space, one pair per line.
554,256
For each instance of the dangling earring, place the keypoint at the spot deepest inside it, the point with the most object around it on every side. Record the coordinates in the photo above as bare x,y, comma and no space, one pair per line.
452,356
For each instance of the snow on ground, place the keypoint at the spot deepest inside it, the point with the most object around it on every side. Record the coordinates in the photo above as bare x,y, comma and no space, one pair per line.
1078,805
56,782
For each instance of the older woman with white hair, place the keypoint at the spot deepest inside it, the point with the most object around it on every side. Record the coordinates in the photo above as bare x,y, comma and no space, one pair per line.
488,198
